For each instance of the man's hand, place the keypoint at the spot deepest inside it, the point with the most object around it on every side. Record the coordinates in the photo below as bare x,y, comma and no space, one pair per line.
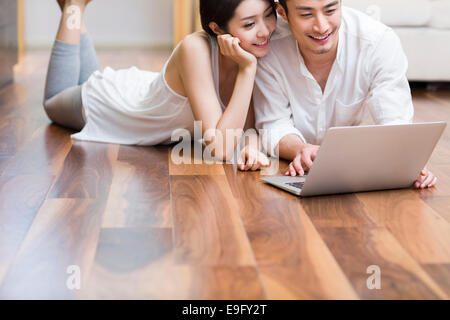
303,161
425,180
252,159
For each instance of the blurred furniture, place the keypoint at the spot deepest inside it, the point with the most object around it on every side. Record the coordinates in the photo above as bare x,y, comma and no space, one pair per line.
8,40
186,19
424,30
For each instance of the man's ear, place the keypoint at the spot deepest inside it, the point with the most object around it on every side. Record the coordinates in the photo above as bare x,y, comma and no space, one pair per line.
216,29
281,12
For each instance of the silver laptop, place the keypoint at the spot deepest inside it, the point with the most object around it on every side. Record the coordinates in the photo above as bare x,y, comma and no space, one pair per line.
366,158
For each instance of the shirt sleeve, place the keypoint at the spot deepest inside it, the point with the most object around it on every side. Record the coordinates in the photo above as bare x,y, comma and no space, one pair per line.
273,113
389,99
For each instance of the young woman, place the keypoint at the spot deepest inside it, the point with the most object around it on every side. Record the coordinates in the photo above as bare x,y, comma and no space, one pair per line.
209,77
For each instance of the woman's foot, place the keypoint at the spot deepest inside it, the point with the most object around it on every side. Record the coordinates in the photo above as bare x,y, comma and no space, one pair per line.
72,23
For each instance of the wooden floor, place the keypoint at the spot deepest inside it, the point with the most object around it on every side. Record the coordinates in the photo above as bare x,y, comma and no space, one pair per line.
140,227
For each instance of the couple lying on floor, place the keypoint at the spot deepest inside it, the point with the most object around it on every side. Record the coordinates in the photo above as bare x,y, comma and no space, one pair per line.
292,76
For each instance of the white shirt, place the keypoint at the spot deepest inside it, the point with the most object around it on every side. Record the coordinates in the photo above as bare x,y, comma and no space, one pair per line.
369,73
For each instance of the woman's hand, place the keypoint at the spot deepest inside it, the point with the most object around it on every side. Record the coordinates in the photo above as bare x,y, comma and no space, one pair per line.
425,180
230,47
252,159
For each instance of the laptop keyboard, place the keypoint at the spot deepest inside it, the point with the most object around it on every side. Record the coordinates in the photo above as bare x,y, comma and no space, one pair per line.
298,185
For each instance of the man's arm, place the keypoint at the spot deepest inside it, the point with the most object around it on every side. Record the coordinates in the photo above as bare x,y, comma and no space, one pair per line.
389,100
273,114
290,146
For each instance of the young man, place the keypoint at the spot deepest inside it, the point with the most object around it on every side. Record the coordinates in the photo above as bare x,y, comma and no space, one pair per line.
327,65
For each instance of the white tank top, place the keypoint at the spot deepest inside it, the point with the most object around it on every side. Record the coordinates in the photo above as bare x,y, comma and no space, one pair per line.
136,107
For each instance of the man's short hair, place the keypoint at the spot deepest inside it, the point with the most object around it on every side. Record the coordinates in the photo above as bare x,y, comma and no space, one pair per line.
283,4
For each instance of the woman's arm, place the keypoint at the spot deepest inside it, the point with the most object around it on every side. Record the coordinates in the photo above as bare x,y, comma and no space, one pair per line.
250,155
195,69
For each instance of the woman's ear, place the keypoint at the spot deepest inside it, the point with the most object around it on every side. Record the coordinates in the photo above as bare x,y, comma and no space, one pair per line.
281,12
215,28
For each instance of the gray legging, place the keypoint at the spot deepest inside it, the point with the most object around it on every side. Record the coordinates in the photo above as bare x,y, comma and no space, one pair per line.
69,67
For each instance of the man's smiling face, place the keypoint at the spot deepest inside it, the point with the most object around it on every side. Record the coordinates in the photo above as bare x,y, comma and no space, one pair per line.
314,23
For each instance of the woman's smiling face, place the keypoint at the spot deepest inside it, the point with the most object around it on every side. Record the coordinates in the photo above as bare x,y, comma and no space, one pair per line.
253,23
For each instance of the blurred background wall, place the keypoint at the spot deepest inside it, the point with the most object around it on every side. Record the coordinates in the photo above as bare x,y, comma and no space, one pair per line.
111,23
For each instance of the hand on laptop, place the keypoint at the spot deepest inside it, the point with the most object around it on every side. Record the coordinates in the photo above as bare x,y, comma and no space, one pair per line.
252,159
426,180
303,161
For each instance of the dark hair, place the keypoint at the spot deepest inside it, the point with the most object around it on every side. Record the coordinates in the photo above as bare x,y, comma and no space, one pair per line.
283,4
220,12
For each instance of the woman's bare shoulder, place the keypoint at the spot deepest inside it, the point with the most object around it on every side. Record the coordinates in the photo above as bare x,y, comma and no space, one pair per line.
195,43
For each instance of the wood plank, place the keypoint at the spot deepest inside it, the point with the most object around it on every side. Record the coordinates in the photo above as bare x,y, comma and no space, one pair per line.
435,107
16,131
20,199
247,184
207,226
193,163
87,171
140,189
10,98
130,263
338,211
438,197
139,263
4,162
442,96
431,107
293,260
299,283
161,281
20,117
11,134
441,274
413,223
64,233
357,248
157,277
441,205
44,154
225,283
